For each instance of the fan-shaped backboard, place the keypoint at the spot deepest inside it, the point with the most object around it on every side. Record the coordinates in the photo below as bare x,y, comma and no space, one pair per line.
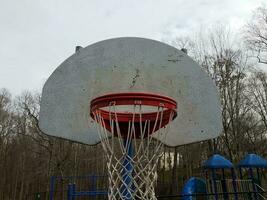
129,65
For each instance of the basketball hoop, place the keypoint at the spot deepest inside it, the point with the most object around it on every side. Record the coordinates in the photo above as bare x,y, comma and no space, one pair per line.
130,119
132,127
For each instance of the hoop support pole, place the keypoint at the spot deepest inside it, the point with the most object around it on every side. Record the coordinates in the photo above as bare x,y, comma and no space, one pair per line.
127,170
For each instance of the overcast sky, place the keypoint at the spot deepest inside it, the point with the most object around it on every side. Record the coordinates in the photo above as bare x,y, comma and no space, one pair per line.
36,36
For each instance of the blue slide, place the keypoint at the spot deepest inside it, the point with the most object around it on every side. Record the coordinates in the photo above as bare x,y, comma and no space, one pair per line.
192,186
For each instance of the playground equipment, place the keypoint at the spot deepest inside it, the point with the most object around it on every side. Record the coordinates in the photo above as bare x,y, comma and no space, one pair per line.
73,193
133,95
218,184
70,187
220,187
194,186
251,162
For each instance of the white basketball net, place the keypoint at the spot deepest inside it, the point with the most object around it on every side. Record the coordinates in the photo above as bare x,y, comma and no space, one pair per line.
132,161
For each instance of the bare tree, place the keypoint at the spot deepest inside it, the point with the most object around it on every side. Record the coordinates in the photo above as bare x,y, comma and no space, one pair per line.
227,65
257,94
256,34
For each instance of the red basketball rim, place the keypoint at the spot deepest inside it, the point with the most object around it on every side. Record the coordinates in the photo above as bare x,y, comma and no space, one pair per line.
168,105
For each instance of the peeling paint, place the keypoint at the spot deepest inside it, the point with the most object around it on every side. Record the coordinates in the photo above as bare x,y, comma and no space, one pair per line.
137,71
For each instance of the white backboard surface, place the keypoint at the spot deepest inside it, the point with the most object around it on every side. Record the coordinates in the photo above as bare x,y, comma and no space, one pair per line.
129,65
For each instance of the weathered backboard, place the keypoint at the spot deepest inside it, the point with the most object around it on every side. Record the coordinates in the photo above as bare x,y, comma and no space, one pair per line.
129,65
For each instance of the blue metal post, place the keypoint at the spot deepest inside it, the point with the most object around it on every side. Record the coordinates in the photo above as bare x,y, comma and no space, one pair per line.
73,191
52,187
240,173
70,192
241,177
225,189
234,183
214,183
94,184
209,183
253,183
127,171
258,175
